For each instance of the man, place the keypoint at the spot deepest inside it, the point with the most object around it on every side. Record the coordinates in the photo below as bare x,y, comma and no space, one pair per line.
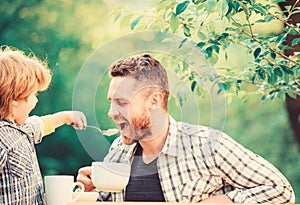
175,161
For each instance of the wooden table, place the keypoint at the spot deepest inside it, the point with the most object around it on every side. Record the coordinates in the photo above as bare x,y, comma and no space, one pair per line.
145,203
148,203
129,203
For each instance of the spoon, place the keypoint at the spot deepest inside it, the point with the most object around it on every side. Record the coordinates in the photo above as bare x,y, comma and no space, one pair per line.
108,132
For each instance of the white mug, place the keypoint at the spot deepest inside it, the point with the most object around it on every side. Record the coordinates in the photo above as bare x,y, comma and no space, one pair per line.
59,189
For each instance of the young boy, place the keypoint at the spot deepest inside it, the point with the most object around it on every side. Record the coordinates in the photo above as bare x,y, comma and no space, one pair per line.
21,78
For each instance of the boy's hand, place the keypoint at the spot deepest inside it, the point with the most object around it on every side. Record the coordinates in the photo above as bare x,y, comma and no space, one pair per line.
77,119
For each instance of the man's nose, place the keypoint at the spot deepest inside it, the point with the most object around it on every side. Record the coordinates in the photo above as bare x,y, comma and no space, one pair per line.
112,111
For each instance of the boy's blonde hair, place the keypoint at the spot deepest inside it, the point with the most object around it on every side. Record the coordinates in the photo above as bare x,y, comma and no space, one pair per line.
20,75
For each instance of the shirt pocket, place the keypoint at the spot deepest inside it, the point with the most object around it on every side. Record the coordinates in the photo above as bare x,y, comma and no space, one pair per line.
199,189
20,161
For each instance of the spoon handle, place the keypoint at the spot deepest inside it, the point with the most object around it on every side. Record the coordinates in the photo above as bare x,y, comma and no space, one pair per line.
108,132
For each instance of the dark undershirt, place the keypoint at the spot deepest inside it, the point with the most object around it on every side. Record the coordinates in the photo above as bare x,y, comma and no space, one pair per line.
144,184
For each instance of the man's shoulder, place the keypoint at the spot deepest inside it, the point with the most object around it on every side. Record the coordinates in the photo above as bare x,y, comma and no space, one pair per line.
200,137
200,131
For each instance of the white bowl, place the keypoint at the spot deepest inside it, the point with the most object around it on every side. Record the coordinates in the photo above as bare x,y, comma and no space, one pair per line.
86,196
110,176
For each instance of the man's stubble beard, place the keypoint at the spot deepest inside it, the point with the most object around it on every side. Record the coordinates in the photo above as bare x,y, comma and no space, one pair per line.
141,127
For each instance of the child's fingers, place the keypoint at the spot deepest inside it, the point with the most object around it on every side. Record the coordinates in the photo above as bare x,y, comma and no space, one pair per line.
79,120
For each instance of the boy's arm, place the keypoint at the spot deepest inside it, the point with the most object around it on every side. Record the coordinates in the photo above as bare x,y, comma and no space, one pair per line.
75,118
45,125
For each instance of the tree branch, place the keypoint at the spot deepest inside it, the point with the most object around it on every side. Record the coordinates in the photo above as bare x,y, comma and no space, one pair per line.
283,21
292,8
272,49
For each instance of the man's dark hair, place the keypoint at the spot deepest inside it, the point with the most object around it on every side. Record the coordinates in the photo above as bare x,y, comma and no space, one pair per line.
145,69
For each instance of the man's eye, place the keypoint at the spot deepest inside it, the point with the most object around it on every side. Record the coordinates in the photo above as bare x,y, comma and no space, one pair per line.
122,103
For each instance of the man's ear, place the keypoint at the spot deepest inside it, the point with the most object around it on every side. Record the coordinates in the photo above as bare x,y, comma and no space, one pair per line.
156,100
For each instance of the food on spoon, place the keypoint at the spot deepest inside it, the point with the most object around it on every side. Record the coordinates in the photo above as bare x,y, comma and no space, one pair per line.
110,132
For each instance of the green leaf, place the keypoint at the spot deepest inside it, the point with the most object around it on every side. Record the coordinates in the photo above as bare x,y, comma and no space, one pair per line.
230,6
292,95
201,35
274,93
236,6
288,7
174,24
181,7
278,72
237,24
261,75
269,18
224,8
293,32
257,52
223,35
186,30
225,86
117,17
116,14
210,5
181,100
176,69
245,9
295,41
182,42
273,55
257,60
216,48
265,53
295,12
272,78
259,9
200,44
287,70
185,65
135,22
193,86
260,21
214,58
265,97
226,55
281,96
209,51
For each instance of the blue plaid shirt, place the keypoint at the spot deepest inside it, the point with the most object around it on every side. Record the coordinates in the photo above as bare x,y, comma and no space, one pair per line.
20,178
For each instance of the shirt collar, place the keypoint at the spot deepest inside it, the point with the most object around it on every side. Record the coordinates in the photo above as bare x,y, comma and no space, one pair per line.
171,144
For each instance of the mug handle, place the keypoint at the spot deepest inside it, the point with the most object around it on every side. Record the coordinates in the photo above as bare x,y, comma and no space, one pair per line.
80,190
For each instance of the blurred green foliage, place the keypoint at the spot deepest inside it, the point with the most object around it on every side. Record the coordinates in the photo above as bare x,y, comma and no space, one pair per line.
66,32
215,26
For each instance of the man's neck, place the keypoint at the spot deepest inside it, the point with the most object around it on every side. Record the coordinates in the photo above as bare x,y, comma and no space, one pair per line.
152,147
